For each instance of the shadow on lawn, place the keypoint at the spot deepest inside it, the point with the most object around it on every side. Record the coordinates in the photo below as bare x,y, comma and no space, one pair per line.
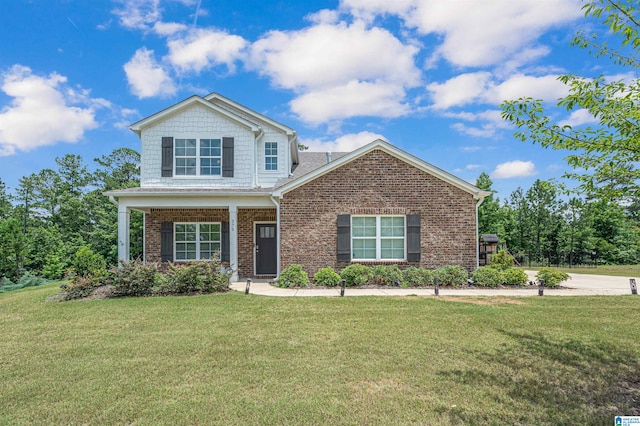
536,379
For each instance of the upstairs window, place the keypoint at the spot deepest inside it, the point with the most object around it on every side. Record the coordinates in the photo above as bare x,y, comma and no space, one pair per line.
271,156
378,237
198,157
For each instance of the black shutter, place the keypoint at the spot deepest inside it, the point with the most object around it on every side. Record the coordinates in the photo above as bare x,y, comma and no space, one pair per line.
166,242
344,238
225,251
227,157
167,156
413,238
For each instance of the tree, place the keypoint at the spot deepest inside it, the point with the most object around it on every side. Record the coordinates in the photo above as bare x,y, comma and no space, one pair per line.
609,152
489,211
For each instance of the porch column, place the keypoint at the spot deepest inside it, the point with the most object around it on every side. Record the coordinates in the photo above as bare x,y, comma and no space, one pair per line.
123,232
233,241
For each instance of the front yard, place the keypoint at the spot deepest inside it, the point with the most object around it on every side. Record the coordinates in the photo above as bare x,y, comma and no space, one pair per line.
236,359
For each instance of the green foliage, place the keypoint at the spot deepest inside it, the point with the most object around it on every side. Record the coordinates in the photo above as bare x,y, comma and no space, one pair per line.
386,275
192,277
134,278
89,264
27,280
552,277
487,276
355,274
80,287
293,276
326,277
502,260
515,276
415,277
54,266
451,275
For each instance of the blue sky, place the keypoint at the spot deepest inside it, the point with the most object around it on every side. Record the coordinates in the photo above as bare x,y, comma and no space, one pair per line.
426,75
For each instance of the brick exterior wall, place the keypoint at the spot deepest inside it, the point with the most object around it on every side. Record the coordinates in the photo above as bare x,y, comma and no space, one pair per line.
155,217
377,183
246,218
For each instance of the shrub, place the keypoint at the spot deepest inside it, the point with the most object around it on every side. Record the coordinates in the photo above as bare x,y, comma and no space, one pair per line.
194,277
487,277
327,277
54,266
502,260
414,277
515,276
294,275
552,277
80,287
29,280
451,275
386,275
133,278
87,263
356,274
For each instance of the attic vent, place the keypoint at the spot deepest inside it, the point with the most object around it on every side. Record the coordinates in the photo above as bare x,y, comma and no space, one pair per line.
328,156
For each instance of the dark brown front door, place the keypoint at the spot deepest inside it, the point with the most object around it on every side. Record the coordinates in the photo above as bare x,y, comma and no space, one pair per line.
266,249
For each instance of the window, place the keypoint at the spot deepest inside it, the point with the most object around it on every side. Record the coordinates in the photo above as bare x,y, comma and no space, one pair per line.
197,241
378,237
271,155
198,157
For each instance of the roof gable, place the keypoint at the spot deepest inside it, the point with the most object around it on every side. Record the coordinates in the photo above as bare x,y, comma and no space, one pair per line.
391,150
187,103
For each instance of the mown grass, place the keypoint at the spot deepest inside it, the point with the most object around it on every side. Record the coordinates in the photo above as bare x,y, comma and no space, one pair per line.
630,271
236,359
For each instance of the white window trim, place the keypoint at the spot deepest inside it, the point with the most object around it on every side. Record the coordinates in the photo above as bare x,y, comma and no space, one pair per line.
175,242
198,157
265,156
379,238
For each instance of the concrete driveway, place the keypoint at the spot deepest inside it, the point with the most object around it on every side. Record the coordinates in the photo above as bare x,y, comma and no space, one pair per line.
578,285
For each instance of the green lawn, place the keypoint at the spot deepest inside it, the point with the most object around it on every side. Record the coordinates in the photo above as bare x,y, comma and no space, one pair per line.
236,359
630,271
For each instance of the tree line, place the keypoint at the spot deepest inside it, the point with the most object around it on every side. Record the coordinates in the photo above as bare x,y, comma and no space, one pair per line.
543,225
54,213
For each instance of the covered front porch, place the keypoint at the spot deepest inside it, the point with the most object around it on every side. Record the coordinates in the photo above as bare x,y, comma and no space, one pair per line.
244,228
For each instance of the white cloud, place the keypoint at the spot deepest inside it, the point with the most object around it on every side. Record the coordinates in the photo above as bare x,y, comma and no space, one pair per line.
323,16
578,118
353,99
345,143
138,14
202,48
474,148
513,169
491,121
168,28
479,33
146,77
328,55
43,111
481,87
468,168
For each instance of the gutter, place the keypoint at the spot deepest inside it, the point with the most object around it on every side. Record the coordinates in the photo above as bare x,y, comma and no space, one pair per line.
255,157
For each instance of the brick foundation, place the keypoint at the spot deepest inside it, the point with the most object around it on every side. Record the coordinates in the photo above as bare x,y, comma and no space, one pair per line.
377,183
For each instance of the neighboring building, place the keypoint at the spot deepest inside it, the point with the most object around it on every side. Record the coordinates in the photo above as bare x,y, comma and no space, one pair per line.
217,176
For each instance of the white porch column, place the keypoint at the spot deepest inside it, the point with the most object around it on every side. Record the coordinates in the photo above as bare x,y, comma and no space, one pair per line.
123,232
233,241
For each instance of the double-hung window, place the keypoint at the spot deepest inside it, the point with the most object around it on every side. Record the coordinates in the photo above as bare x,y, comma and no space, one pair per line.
198,157
378,238
271,156
196,241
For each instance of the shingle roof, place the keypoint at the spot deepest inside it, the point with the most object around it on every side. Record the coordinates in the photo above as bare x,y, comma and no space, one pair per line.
186,190
309,161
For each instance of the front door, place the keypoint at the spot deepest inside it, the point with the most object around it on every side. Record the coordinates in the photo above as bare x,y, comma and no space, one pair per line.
266,249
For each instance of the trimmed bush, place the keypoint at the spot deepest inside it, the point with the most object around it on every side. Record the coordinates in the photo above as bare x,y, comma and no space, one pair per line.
451,275
294,275
487,277
552,277
194,277
326,277
502,260
80,287
415,277
386,275
133,278
86,263
356,274
515,276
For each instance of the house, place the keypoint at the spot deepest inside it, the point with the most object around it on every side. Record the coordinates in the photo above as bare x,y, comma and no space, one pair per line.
218,176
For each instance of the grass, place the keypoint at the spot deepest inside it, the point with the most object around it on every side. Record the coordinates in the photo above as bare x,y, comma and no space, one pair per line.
236,359
615,270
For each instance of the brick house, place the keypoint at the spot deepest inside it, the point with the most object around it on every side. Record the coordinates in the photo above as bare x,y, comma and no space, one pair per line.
219,177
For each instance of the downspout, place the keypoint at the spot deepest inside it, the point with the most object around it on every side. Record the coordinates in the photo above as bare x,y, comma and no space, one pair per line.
255,158
113,200
277,203
476,237
293,141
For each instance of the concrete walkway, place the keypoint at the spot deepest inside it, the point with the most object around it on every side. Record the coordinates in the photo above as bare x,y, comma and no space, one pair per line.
578,285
